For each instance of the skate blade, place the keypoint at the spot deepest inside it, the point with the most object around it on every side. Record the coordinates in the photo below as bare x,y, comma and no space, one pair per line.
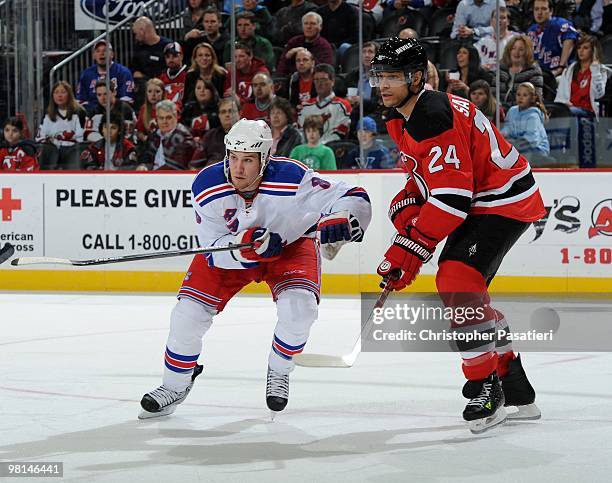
479,426
164,412
528,412
273,415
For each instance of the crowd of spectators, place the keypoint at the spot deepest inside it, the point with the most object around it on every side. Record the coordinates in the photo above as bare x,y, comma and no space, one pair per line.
297,67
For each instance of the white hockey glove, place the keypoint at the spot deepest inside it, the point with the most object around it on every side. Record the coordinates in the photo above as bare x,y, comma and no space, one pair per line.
337,229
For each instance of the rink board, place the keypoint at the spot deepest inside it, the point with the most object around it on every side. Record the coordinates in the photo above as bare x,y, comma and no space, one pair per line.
96,215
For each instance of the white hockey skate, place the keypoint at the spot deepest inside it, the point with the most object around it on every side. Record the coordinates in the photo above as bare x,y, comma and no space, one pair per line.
277,392
163,401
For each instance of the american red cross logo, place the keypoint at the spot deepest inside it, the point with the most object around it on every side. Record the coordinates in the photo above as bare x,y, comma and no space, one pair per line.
8,204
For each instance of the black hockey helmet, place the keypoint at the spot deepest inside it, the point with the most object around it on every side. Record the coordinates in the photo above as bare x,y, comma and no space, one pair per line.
399,55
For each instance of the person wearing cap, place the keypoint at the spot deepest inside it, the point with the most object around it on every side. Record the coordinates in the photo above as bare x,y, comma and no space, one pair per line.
375,154
175,74
120,76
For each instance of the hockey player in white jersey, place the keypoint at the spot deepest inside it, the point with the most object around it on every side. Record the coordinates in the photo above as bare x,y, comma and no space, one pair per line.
286,211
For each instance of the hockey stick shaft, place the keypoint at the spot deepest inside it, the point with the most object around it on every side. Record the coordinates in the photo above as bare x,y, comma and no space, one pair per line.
6,252
323,360
126,258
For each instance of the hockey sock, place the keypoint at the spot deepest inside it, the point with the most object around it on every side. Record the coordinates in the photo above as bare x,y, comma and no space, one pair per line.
188,324
297,310
461,286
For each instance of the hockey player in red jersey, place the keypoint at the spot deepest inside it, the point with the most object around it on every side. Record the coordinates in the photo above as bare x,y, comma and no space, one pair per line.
285,210
469,185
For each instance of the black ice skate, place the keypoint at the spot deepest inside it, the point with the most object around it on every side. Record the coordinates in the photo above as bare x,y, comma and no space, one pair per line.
277,391
163,401
519,393
486,407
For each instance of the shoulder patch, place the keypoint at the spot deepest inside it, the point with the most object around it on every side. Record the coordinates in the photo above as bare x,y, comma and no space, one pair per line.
210,184
431,116
285,170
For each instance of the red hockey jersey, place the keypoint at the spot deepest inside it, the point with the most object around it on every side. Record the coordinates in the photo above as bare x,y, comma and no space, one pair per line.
18,158
460,163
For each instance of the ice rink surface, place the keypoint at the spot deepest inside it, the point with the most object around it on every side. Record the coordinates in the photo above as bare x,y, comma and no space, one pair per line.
74,368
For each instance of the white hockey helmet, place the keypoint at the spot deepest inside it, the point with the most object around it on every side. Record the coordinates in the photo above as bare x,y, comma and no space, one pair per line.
249,137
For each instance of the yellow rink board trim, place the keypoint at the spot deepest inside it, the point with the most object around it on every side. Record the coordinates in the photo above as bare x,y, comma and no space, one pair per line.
117,281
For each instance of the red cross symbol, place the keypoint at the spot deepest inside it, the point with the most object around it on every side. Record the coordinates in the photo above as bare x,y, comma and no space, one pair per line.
8,204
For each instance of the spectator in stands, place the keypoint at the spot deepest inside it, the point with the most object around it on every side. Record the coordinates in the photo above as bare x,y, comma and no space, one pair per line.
120,108
340,23
171,146
204,65
524,125
211,34
289,19
553,38
517,66
311,39
284,136
585,80
473,19
175,74
334,110
16,153
122,151
589,15
433,78
375,154
370,95
148,53
193,17
61,130
213,143
301,85
263,93
468,71
314,154
247,66
146,121
245,34
120,76
200,114
266,26
487,45
483,99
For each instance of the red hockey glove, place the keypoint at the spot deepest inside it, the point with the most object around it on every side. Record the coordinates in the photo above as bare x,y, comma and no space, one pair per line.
405,206
266,246
404,258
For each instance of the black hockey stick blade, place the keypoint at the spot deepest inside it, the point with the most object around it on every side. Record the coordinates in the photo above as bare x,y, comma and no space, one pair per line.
126,258
6,252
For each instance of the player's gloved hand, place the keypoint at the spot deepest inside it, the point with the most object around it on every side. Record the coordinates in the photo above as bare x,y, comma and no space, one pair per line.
266,247
404,258
404,207
339,226
336,229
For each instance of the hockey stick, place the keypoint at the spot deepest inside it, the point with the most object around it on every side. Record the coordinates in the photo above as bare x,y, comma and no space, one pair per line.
127,258
324,360
6,252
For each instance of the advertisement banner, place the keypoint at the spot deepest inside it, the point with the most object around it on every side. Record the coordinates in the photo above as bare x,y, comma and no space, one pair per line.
91,14
85,216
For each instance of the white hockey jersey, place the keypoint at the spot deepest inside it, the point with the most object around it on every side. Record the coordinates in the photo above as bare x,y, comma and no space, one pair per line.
290,200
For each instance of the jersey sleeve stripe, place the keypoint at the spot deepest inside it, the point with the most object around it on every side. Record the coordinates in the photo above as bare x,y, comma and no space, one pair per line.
506,201
444,207
358,192
451,191
521,185
505,187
